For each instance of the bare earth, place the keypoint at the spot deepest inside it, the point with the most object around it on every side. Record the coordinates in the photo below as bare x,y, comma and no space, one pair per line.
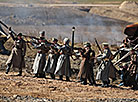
10,85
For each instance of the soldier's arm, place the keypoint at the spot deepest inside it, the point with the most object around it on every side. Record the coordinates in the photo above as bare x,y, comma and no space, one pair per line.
104,55
93,55
134,61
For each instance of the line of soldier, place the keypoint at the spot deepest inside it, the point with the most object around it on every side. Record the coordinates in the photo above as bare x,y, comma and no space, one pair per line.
58,62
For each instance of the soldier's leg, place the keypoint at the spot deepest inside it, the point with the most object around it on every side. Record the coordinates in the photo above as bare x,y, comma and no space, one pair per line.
84,82
92,78
8,68
91,81
20,71
134,83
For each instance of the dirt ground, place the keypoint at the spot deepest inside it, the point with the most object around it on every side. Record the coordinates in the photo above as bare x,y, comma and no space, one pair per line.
11,85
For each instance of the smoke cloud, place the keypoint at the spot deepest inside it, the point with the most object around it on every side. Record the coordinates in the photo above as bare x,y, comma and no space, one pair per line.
58,21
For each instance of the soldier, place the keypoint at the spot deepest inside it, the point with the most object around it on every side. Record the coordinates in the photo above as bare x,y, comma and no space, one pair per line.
122,51
52,58
40,60
86,66
106,68
130,75
16,58
63,64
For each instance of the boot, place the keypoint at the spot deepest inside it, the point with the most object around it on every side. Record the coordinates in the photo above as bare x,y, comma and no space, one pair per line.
42,75
67,78
80,80
20,73
92,81
84,82
52,76
105,84
36,75
61,77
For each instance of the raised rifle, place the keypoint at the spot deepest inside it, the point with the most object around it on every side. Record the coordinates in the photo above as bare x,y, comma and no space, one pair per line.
13,32
7,27
126,55
2,31
99,49
32,37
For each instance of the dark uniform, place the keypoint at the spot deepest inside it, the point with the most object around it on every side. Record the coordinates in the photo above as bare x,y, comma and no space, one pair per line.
130,75
52,58
86,66
16,58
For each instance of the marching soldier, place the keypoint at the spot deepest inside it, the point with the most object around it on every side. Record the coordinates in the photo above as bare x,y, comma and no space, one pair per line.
63,64
52,58
130,75
86,66
106,68
40,60
16,58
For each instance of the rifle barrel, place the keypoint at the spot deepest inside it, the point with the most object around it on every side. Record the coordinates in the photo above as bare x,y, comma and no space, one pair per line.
7,27
125,56
4,24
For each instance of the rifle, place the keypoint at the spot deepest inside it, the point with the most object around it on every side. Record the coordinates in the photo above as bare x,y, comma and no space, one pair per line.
2,31
32,37
99,49
7,27
13,32
126,55
98,45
